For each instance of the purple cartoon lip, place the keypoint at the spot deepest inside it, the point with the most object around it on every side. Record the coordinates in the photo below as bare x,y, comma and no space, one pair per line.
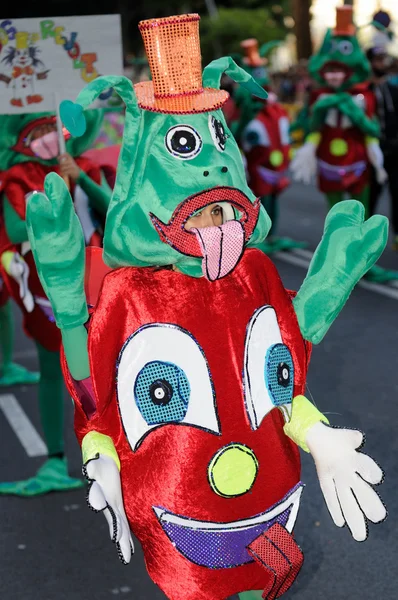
223,545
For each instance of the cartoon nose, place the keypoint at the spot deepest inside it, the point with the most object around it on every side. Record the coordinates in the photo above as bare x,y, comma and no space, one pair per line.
233,470
276,158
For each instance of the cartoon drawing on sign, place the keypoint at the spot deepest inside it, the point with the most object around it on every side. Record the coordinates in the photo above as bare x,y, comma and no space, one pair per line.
23,66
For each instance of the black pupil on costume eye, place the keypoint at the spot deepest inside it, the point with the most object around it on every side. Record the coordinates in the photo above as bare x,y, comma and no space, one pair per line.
161,392
220,133
283,374
183,142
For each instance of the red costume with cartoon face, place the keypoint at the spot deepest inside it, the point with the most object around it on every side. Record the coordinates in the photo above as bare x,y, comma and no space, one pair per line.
218,369
268,151
342,156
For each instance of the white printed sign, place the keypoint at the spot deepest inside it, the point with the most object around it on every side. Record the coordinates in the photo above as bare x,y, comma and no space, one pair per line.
40,57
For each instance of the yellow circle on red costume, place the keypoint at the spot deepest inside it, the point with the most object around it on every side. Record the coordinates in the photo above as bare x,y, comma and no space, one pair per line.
338,147
233,470
276,158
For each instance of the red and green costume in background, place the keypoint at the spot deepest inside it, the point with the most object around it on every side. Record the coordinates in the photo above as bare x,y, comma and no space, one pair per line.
262,130
23,175
343,143
184,354
11,373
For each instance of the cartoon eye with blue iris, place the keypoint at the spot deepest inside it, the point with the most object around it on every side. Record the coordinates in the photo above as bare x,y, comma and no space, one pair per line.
268,368
162,393
163,379
346,47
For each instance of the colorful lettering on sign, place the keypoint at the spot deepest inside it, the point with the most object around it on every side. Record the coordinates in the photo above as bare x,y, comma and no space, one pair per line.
48,29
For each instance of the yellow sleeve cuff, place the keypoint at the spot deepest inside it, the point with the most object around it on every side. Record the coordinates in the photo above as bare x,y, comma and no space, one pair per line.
314,138
304,416
371,140
6,260
97,443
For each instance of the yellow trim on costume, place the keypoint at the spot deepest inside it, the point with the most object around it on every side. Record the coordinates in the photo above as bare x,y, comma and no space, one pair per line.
314,138
97,443
371,140
6,260
304,416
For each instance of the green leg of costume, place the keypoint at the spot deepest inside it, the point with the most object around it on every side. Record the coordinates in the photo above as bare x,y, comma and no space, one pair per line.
274,243
53,475
251,596
11,373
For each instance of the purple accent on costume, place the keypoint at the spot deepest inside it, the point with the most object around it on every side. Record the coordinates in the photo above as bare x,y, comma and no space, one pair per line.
221,549
271,177
48,311
85,391
336,173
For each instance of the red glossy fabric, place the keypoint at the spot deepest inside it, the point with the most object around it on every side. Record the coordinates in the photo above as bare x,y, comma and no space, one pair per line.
169,468
16,183
28,177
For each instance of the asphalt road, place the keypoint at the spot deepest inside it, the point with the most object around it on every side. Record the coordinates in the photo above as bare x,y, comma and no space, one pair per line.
55,548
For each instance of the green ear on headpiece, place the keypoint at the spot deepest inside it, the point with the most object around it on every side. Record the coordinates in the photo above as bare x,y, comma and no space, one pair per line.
72,113
268,46
213,72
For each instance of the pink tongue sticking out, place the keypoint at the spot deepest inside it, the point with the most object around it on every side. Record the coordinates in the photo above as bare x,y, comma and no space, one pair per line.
46,147
222,248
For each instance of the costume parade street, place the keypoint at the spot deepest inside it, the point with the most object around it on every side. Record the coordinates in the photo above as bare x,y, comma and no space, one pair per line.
198,300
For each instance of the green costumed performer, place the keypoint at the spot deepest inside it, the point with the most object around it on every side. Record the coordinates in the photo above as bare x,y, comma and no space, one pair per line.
29,150
343,144
185,355
265,140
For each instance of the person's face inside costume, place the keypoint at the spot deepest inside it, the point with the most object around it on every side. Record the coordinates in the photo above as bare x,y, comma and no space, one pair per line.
43,141
42,130
209,216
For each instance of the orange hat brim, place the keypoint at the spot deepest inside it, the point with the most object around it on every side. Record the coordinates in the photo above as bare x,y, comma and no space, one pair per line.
207,100
351,31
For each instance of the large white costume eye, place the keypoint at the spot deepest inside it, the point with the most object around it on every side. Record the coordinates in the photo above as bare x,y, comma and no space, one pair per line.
268,368
183,142
284,131
255,134
163,378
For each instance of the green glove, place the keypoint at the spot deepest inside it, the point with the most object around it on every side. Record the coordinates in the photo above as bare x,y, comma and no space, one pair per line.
348,249
57,241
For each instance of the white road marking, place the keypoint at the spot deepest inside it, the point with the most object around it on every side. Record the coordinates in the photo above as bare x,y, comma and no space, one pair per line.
302,258
22,427
24,354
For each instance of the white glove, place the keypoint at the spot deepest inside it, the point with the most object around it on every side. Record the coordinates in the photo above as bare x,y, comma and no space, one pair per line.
344,476
19,270
304,164
376,158
105,494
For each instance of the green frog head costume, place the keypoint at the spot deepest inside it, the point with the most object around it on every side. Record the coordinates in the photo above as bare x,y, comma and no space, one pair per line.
178,156
340,63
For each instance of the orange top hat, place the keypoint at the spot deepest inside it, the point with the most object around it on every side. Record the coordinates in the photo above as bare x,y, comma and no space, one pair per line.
252,58
345,21
173,49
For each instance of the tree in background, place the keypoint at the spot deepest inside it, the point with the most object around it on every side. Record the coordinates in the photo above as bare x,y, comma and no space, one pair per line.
302,16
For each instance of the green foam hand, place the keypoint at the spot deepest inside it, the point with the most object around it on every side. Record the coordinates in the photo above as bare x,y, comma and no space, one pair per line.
349,248
57,241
